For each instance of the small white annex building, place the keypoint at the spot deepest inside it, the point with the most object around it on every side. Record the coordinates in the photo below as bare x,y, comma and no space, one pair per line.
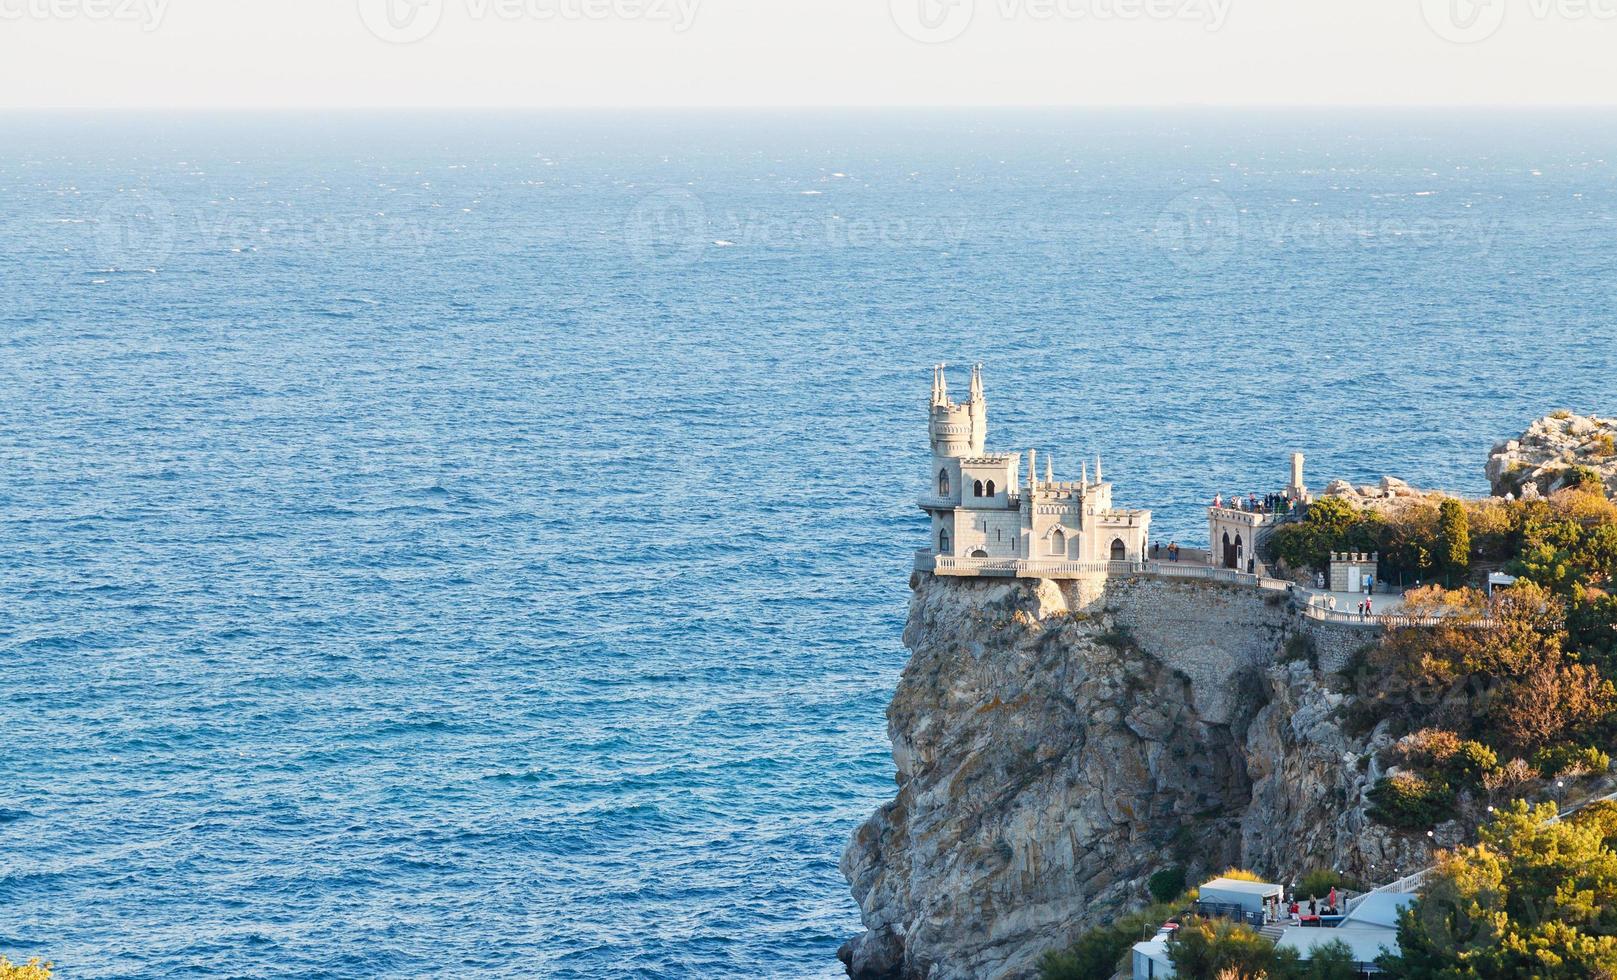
986,520
1370,929
1250,896
1150,958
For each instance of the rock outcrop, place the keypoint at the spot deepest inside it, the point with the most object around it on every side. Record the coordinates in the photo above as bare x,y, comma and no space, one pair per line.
1540,461
1055,748
1376,496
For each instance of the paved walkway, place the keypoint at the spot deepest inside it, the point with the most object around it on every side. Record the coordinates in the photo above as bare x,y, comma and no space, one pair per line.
1381,602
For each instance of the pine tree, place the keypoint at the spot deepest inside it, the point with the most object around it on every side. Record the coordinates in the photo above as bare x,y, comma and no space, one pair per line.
1454,540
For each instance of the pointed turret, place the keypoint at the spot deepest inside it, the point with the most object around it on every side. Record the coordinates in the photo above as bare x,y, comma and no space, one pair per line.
977,383
957,429
1049,469
1098,478
1032,471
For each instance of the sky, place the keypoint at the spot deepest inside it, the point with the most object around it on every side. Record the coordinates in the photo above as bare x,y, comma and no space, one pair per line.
700,53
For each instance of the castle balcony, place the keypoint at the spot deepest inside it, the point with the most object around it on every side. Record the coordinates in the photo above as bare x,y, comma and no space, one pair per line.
1251,518
925,560
934,502
1027,568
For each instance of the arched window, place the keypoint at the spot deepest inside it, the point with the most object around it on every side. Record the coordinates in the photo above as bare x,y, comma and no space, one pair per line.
943,541
943,483
979,553
990,488
1058,543
977,489
1119,552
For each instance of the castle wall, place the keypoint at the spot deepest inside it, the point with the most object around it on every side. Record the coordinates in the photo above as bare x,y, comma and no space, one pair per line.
1219,636
996,532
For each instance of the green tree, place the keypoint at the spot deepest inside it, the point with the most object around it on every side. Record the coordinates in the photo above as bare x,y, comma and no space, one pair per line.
1535,897
1328,961
1454,541
1205,949
1167,884
1098,952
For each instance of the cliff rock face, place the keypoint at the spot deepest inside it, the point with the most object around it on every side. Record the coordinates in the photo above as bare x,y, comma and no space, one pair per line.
1055,746
1538,462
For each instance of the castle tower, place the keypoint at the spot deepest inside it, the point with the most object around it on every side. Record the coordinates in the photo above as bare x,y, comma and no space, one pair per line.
958,428
1297,490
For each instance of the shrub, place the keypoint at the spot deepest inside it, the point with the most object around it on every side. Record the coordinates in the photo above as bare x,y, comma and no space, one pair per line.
1602,445
1213,947
1097,953
1409,802
1167,884
1300,647
1568,760
1442,753
1582,478
1602,815
1319,882
1508,776
32,970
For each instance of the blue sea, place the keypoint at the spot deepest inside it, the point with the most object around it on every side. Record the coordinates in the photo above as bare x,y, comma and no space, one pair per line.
478,543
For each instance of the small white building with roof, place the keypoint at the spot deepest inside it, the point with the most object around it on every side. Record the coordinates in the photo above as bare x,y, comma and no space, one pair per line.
1250,896
1369,930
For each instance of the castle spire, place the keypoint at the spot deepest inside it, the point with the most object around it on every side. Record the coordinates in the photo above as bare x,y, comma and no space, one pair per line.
977,383
1085,467
1049,469
943,384
934,384
1097,469
1032,471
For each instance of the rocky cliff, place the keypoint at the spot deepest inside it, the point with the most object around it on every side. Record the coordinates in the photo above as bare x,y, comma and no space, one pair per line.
1540,460
1057,744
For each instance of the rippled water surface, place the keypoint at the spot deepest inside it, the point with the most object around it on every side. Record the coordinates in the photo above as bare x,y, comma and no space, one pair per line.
483,541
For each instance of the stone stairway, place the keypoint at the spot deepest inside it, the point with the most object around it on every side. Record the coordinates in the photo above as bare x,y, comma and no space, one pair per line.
1273,931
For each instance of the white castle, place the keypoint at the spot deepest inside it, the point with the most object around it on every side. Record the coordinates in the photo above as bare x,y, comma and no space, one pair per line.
985,520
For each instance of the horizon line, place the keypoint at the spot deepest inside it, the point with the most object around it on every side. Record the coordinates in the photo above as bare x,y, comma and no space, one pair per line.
812,106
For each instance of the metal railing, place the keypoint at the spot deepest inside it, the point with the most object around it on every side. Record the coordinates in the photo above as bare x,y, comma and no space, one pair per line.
1161,568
